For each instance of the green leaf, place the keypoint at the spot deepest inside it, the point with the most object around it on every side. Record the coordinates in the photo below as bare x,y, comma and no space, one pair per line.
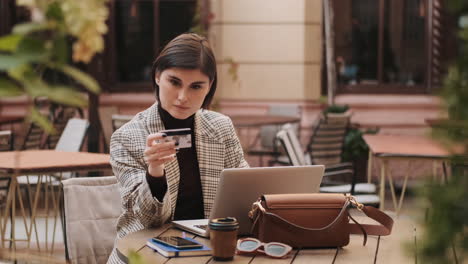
10,42
36,87
54,12
9,88
66,95
86,80
8,61
61,49
41,120
31,46
26,28
19,72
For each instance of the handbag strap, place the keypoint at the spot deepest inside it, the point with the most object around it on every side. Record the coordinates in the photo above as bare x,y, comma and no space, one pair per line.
385,221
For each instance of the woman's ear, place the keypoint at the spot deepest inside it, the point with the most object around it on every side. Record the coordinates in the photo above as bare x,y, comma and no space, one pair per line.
156,78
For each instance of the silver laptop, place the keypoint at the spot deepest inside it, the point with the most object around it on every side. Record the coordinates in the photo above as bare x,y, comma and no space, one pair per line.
239,188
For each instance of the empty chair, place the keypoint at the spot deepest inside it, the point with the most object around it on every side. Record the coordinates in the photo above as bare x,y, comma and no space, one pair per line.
60,120
267,134
90,230
326,146
34,137
73,135
291,145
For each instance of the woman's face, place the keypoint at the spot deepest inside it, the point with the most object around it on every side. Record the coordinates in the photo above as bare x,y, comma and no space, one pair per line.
182,91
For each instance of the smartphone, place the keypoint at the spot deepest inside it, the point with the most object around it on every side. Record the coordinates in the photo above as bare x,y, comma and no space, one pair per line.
177,242
182,136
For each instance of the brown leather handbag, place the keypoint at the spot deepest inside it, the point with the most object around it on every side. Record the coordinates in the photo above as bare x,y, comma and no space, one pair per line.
313,220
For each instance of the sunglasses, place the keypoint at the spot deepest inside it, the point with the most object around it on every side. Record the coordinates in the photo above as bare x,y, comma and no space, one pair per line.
250,245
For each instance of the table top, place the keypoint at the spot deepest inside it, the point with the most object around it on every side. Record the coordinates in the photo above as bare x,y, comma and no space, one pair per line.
51,161
405,146
261,120
385,249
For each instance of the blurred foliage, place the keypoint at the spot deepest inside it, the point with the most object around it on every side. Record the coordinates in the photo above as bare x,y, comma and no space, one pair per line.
354,146
336,109
202,18
446,223
135,258
233,69
39,49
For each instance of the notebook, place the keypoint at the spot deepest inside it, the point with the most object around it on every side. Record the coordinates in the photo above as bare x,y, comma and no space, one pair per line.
239,188
168,251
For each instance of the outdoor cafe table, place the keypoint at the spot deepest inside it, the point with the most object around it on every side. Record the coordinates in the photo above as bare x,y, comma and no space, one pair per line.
379,249
400,147
40,163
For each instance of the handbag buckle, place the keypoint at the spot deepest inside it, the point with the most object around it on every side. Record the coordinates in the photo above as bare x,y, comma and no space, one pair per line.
353,201
255,207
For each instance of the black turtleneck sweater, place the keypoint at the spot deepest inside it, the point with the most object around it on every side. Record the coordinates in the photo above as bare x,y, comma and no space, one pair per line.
189,199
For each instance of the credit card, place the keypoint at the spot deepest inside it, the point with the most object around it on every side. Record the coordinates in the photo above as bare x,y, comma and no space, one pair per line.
182,136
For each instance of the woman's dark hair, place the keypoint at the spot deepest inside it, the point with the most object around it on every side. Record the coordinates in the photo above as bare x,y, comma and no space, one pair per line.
188,51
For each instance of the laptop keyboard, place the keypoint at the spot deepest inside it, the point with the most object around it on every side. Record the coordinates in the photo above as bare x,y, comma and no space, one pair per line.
201,226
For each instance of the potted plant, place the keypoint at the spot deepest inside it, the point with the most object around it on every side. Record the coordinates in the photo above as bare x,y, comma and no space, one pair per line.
355,148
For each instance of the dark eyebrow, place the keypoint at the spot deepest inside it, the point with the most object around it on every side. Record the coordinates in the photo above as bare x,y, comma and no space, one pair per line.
177,78
200,82
174,77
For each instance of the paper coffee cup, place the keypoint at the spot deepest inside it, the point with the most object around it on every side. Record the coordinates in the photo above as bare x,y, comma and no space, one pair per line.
223,236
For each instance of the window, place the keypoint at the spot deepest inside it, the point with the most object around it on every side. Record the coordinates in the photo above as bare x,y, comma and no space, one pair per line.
381,45
138,30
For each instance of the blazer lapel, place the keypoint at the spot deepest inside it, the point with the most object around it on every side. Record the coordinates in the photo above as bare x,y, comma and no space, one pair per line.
210,154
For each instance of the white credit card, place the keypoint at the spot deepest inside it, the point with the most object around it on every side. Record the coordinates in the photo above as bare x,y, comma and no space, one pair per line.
182,136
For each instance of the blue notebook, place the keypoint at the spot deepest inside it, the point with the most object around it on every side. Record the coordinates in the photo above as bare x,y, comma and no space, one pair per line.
168,251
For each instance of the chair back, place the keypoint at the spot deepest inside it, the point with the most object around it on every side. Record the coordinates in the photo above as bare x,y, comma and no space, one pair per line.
6,140
34,137
291,145
61,117
91,207
326,144
73,135
268,133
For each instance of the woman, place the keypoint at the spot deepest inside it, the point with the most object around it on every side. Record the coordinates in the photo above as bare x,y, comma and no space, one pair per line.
158,181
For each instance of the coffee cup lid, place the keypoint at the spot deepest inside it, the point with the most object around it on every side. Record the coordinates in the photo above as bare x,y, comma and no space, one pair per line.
226,223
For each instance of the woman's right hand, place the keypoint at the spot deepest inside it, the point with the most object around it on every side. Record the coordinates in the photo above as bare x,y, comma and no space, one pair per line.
158,152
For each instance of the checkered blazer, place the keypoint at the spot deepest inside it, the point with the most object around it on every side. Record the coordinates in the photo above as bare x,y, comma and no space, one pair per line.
218,147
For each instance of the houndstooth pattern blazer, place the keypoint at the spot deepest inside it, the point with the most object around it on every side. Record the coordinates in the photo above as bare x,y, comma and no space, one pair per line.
217,145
